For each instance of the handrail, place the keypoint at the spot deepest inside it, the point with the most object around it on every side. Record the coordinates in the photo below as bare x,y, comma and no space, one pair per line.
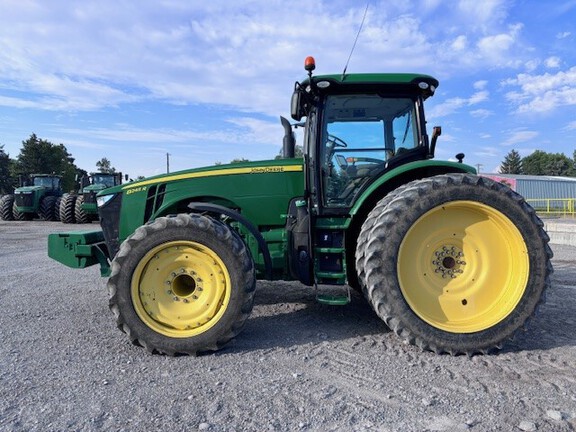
554,206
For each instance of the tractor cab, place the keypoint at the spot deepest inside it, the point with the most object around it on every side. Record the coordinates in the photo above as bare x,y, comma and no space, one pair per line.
46,181
358,127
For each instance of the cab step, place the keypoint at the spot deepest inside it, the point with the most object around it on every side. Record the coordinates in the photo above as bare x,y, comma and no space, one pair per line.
333,295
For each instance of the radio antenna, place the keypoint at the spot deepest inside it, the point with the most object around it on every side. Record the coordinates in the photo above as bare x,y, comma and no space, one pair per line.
356,40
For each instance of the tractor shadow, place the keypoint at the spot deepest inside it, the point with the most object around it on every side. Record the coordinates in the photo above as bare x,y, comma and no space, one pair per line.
287,315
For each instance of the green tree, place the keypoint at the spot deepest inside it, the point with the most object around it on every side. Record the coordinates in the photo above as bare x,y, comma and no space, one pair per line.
105,166
239,160
39,156
534,164
7,181
512,163
553,164
298,152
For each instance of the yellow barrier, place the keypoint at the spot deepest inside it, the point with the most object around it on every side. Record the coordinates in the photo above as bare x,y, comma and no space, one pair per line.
554,206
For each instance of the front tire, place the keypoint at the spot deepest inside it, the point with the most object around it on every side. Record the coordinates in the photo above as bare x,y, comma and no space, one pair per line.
456,263
182,285
79,213
67,209
47,210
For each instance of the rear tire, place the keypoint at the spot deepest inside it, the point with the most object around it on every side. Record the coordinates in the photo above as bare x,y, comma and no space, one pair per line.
182,285
19,216
455,263
57,209
67,209
6,204
364,235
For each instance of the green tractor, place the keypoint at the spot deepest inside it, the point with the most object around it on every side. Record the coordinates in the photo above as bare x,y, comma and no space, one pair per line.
39,196
452,262
82,208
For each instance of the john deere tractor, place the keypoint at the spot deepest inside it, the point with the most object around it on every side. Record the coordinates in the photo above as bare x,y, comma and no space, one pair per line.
452,262
82,208
39,196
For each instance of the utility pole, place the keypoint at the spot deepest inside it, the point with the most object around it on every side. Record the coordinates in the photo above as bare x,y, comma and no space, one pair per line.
478,166
168,163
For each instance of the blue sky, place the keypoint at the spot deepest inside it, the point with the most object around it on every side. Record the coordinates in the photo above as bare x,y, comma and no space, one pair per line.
207,81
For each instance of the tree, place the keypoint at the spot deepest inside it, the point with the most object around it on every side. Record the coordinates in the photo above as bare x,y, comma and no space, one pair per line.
512,163
39,156
105,166
7,181
553,164
298,152
239,160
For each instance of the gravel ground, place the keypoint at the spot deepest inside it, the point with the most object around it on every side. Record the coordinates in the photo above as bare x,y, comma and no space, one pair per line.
297,366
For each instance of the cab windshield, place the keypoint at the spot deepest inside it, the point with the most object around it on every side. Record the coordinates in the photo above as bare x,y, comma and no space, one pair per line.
47,182
360,133
106,180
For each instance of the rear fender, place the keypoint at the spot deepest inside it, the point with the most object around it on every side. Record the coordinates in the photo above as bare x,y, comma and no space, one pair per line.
407,173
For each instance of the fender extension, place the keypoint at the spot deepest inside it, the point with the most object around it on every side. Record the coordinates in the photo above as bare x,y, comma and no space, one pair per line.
199,207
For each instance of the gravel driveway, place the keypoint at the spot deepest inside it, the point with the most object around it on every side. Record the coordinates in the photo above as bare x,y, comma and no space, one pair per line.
298,365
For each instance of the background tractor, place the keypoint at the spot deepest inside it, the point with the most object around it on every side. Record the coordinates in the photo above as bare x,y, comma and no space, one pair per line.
82,208
39,195
452,262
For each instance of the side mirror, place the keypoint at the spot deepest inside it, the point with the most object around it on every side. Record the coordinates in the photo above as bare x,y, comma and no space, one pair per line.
84,181
296,110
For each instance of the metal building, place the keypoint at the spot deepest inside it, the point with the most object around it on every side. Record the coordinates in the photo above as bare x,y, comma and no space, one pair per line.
547,193
538,187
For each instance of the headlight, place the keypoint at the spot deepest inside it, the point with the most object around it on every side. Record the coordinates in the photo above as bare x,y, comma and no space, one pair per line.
102,200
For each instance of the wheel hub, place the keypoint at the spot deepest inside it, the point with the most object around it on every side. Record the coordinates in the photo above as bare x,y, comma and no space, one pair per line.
448,261
184,286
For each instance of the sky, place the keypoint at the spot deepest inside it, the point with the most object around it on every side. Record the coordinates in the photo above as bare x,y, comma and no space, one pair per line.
206,81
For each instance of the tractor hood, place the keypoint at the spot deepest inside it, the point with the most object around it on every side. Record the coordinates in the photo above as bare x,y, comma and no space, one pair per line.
94,187
29,189
258,167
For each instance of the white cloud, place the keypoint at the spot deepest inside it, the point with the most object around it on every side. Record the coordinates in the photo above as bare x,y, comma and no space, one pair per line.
481,113
487,152
563,35
552,62
478,97
452,105
480,85
460,43
483,11
520,136
571,125
542,93
241,54
532,64
496,47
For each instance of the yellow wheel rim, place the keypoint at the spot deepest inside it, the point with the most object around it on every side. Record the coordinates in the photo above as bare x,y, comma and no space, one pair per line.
463,267
180,289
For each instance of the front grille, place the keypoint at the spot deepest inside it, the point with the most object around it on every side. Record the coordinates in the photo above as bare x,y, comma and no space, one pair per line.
90,197
24,200
110,223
